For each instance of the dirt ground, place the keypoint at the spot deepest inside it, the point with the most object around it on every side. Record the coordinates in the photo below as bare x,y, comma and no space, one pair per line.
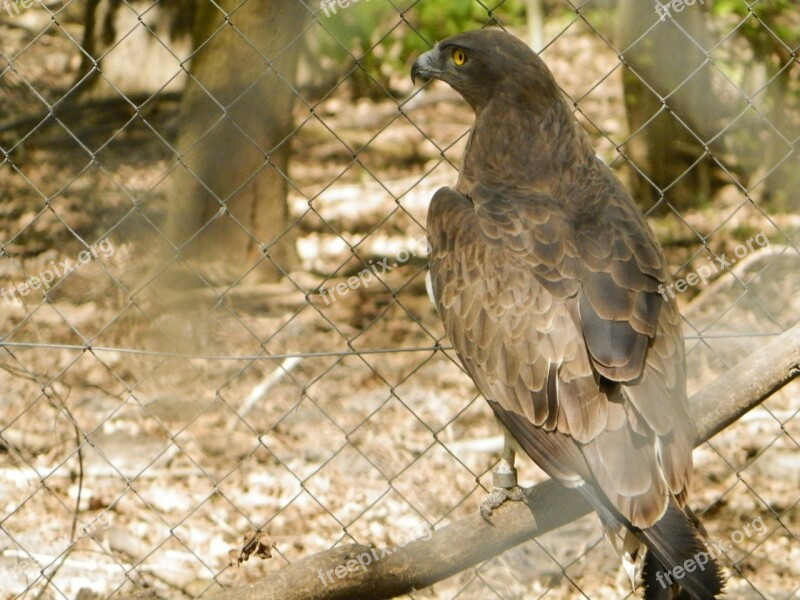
129,465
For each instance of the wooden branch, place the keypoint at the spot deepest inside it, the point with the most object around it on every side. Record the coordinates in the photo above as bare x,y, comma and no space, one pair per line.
746,385
471,541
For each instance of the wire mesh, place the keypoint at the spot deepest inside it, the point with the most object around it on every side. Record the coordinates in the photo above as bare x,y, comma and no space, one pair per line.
164,406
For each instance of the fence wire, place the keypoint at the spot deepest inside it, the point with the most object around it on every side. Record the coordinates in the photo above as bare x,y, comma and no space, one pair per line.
208,342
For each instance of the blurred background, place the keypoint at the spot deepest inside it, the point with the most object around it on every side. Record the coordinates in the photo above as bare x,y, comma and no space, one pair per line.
189,190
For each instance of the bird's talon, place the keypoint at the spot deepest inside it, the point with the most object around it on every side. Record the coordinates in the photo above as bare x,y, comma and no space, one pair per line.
497,497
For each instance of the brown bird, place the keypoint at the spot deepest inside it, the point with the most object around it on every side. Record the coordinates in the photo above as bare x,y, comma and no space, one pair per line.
546,278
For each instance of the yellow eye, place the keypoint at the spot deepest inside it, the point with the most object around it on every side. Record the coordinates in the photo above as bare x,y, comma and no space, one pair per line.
459,57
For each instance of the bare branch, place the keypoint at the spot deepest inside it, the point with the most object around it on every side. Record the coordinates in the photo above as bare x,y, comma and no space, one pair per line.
471,540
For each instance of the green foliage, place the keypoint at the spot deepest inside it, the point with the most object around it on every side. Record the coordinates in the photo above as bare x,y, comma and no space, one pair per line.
382,37
773,29
437,20
769,27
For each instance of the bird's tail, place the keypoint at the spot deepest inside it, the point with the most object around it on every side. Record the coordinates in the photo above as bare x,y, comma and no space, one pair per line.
675,554
678,564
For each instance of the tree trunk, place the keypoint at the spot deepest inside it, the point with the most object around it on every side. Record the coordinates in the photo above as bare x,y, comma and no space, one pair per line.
228,195
669,135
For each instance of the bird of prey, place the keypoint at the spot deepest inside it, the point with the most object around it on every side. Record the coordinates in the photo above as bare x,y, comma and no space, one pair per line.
546,278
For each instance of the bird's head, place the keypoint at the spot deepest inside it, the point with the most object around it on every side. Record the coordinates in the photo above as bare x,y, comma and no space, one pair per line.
478,63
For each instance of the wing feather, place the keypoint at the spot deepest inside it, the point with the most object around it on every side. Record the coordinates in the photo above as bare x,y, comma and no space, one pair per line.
558,326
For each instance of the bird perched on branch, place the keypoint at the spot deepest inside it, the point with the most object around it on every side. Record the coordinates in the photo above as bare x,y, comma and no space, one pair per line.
546,278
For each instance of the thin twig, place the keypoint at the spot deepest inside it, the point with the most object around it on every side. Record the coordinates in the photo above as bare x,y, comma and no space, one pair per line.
262,388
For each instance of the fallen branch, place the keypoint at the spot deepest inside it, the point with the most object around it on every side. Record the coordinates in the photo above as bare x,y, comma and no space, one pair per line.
471,541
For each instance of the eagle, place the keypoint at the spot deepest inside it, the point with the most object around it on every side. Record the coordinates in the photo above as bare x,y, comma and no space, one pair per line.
546,277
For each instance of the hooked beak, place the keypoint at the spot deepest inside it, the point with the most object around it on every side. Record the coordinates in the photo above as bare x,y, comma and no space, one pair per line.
424,68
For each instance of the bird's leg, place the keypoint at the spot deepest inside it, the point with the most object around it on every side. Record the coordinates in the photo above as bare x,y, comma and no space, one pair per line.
504,480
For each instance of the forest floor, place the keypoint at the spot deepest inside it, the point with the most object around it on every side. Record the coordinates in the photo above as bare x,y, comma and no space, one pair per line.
131,466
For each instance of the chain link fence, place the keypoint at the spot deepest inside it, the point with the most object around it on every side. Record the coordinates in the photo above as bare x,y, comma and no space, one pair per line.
180,420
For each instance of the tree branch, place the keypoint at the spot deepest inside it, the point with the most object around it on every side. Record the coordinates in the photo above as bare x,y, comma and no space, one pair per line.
470,541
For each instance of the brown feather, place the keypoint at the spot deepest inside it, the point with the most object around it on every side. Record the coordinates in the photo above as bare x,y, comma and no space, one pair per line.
546,278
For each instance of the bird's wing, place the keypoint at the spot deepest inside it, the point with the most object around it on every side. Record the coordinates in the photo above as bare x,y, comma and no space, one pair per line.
633,334
621,268
547,316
